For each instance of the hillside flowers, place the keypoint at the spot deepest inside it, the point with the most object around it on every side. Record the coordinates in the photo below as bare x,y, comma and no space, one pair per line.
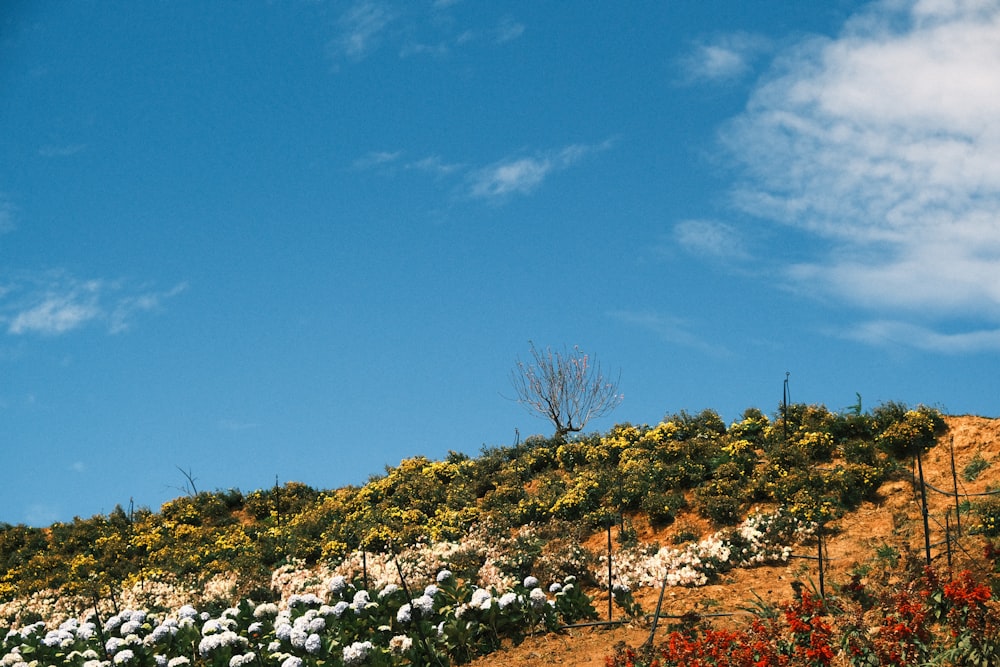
452,619
760,539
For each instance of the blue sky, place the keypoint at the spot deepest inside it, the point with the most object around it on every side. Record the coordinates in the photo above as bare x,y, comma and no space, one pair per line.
262,241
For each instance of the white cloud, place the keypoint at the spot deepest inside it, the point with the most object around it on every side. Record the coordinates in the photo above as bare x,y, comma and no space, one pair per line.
55,303
723,57
710,239
882,143
56,312
508,30
434,164
61,151
361,28
674,330
521,175
377,159
905,334
497,181
411,29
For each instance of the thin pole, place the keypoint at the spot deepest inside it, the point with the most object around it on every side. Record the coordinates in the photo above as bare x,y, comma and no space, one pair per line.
819,556
656,616
947,538
784,404
954,482
610,594
923,502
431,657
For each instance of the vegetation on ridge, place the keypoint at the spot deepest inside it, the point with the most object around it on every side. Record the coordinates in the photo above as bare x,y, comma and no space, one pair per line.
814,462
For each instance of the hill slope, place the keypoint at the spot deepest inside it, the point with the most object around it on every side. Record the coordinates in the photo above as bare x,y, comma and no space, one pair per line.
891,521
542,508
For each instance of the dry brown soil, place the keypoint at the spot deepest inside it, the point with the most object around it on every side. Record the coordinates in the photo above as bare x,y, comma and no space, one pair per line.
894,520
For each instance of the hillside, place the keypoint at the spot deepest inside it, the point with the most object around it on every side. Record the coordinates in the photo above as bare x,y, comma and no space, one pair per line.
891,519
543,508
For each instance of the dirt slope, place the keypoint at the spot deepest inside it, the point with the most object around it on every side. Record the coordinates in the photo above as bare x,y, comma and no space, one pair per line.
894,521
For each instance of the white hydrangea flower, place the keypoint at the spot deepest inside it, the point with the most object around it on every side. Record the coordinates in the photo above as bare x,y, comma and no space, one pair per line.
337,584
187,611
243,660
124,657
424,604
266,610
298,637
481,599
86,630
356,653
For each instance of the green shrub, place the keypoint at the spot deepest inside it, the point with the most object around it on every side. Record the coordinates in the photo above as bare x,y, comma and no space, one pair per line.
987,513
912,434
663,506
719,501
977,465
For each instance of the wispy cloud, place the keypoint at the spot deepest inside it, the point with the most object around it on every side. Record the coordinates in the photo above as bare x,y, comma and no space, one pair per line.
412,29
723,57
508,30
516,175
673,330
392,160
376,159
61,151
362,27
435,164
522,175
7,213
56,303
905,334
882,145
710,238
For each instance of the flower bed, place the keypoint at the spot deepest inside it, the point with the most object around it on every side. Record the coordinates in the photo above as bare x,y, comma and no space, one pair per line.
448,621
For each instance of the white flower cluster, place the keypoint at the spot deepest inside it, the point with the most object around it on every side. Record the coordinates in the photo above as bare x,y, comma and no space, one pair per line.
356,653
756,541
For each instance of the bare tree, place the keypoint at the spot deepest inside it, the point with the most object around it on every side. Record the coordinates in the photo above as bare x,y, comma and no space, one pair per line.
568,388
